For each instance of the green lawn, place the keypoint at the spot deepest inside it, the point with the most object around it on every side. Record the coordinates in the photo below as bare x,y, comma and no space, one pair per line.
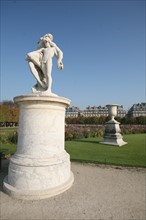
90,150
8,130
7,148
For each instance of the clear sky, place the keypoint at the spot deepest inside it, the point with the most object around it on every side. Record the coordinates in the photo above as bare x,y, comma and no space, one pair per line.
103,44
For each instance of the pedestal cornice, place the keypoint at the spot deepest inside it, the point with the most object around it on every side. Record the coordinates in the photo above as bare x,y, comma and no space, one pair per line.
42,98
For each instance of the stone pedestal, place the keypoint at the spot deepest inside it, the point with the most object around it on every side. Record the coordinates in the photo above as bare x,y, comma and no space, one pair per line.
112,134
40,168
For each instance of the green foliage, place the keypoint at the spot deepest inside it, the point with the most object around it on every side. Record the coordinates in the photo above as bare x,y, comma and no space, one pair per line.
87,120
13,138
9,138
8,135
68,136
141,120
3,139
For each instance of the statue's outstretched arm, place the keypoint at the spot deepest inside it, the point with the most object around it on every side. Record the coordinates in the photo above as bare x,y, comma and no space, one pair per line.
59,55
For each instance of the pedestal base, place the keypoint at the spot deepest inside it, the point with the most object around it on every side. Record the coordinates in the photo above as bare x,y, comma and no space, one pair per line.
40,168
37,194
113,141
112,134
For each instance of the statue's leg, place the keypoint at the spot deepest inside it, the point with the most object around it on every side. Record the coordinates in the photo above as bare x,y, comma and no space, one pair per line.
36,75
35,58
49,83
47,69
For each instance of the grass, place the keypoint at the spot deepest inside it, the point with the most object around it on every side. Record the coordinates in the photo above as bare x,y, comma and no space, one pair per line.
8,149
8,130
90,150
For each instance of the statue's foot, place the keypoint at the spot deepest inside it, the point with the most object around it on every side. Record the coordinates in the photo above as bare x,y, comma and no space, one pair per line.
34,89
49,93
37,89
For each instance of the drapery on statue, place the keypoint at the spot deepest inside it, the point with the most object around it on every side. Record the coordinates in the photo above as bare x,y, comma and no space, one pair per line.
40,63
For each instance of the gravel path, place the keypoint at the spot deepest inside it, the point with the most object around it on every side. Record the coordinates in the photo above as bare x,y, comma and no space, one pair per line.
98,192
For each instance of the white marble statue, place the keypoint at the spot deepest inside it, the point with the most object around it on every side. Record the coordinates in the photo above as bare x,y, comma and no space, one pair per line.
40,63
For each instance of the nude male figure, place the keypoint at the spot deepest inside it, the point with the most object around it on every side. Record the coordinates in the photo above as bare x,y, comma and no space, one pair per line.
40,63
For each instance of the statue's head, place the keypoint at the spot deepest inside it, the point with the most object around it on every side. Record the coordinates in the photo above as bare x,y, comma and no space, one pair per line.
47,37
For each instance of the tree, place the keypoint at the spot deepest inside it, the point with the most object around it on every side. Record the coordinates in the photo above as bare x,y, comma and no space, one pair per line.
14,114
5,114
8,112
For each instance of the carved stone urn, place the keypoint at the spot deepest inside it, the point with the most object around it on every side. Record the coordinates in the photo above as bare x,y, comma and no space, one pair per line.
112,135
112,110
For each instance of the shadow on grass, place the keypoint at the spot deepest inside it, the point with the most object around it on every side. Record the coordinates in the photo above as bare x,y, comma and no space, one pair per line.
87,141
98,143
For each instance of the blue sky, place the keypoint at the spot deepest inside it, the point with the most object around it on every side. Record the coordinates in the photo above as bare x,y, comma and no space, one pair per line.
103,44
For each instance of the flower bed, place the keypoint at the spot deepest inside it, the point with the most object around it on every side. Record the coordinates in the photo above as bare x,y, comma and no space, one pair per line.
86,131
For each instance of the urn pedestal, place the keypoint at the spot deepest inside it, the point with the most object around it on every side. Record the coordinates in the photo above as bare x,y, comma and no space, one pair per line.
40,168
112,135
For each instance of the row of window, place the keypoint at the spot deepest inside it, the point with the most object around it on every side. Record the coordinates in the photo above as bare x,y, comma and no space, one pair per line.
135,111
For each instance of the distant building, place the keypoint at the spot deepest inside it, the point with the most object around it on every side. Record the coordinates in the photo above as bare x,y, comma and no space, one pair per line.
102,111
72,112
137,110
121,112
94,111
